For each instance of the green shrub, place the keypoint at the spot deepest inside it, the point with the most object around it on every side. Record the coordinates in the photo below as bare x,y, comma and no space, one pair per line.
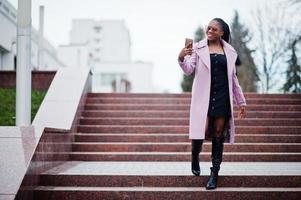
8,105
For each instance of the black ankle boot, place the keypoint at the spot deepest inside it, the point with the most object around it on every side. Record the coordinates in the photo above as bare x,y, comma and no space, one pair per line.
216,155
196,147
212,182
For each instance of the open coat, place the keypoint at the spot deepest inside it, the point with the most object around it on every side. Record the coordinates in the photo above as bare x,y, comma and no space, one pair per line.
199,61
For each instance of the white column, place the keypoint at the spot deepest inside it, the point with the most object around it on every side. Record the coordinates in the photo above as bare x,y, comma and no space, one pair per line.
123,86
118,83
23,94
40,64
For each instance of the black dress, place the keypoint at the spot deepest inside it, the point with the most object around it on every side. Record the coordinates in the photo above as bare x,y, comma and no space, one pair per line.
219,105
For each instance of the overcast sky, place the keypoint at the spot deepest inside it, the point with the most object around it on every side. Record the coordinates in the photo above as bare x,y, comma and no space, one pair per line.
157,27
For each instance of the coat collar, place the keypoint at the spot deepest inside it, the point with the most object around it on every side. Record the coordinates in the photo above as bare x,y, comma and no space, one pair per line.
204,43
202,50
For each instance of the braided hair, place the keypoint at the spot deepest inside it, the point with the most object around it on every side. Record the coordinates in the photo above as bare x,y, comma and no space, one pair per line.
226,29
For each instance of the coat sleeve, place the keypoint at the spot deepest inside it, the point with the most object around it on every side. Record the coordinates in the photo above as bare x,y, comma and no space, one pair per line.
189,63
237,91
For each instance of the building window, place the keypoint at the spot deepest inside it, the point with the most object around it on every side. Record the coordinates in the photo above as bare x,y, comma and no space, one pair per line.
108,79
97,29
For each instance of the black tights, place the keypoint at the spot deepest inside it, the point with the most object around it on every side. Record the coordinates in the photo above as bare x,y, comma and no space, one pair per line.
217,126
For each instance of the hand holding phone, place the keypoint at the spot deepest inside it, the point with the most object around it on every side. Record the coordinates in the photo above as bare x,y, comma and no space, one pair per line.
188,43
187,50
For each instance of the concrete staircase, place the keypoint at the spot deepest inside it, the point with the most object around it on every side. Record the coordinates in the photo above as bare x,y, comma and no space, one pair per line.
121,138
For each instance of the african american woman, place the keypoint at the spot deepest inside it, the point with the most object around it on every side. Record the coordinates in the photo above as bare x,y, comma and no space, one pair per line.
215,87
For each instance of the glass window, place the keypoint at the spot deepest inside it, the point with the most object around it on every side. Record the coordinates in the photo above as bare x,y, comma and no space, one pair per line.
107,79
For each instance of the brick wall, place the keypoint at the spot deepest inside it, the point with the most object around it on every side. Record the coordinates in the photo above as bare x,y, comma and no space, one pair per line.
41,80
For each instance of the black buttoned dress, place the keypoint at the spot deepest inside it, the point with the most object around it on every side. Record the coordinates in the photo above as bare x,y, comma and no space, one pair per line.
219,104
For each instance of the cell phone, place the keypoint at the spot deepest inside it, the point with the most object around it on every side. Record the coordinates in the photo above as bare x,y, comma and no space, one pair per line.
188,40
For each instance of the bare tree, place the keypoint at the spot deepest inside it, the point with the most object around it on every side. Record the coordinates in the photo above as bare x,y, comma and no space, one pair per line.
274,25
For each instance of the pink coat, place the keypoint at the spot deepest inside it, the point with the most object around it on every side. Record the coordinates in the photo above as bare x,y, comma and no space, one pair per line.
199,62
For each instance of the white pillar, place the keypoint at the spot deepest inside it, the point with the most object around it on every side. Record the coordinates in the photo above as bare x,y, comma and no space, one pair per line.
40,64
118,83
23,94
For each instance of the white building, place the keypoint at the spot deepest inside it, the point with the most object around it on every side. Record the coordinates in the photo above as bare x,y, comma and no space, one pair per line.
104,46
8,36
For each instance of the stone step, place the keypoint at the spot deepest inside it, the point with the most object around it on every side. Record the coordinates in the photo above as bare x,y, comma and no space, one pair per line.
187,95
127,137
164,193
175,156
171,174
180,147
180,114
232,174
166,156
167,137
185,129
184,121
176,107
136,146
166,181
129,100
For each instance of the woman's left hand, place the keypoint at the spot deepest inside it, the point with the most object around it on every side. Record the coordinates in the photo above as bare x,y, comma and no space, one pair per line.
242,112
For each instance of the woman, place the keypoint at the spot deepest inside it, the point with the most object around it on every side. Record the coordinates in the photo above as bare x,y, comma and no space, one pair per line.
214,86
